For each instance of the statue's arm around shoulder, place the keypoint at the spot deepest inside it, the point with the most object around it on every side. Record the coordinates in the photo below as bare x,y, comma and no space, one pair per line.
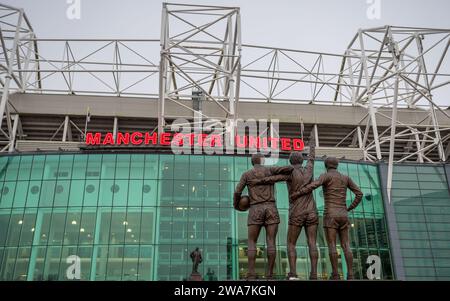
269,180
281,170
311,186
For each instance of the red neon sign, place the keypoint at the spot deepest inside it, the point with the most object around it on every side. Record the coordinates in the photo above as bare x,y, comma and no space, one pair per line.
193,139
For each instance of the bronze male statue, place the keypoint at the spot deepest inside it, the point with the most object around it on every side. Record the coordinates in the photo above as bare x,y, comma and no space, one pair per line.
302,210
196,257
262,213
335,220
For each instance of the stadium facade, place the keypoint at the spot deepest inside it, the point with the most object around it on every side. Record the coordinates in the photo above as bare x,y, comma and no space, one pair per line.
72,203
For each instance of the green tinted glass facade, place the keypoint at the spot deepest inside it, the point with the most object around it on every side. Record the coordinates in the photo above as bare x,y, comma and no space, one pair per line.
421,200
138,216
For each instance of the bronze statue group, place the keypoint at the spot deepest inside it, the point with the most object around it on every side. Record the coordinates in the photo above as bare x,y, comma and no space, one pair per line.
263,212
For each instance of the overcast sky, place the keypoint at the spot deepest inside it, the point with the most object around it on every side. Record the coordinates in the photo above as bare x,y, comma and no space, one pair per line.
322,25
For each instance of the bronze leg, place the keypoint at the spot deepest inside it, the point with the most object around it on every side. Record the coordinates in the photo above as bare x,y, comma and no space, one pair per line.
292,236
253,233
345,243
194,268
311,235
271,234
331,241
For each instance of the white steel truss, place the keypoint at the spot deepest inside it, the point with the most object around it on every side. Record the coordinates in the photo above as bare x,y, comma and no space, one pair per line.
202,55
17,47
402,66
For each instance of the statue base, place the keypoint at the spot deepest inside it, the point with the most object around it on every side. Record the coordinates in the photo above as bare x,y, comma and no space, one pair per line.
195,277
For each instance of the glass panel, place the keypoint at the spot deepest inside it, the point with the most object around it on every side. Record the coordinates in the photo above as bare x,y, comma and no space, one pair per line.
34,191
87,226
91,193
100,262
364,175
226,190
366,202
150,192
213,170
52,263
4,222
196,193
405,169
404,177
120,192
123,166
46,193
282,195
65,167
57,227
7,194
3,166
85,254
37,263
130,262
135,192
15,226
430,169
72,230
7,264
94,167
108,167
179,262
38,167
180,193
42,230
352,171
226,169
104,225
28,223
107,189
145,263
133,226
119,225
240,166
76,193
115,262
147,225
211,193
166,166
165,224
62,190
51,167
12,168
196,167
181,167
79,167
25,168
137,166
151,170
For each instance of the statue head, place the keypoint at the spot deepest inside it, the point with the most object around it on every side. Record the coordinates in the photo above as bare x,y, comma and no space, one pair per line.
257,158
296,158
331,163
